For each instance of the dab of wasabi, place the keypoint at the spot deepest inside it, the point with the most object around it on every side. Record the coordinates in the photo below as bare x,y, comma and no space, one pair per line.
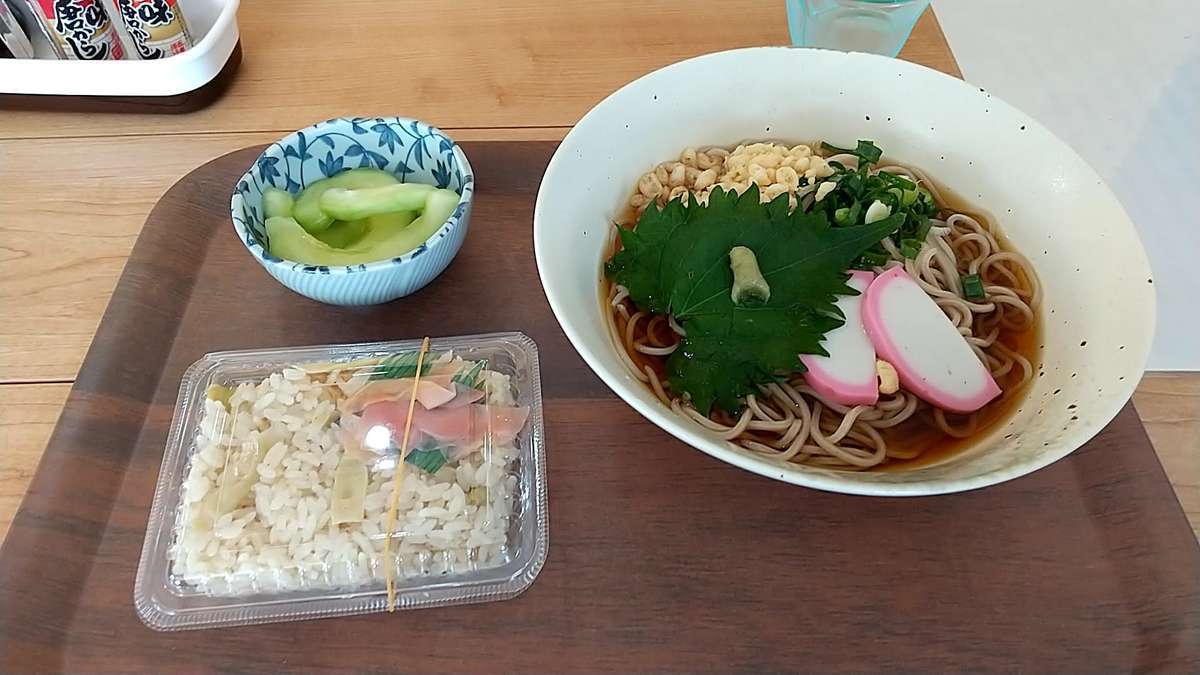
750,288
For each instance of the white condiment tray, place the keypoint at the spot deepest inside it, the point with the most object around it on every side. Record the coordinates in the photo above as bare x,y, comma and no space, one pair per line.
214,29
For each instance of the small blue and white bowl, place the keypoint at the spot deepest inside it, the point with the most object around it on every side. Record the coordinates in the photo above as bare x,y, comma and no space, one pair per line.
412,150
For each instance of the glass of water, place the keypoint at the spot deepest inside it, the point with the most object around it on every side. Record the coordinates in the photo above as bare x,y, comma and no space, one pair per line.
876,26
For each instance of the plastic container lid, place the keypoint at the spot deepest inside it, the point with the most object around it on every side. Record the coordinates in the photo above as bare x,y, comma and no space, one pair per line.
275,492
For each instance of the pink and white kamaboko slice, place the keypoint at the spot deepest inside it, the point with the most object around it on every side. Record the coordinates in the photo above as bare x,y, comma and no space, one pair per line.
931,357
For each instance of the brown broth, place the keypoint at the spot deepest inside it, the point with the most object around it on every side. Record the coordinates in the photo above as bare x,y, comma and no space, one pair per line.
937,447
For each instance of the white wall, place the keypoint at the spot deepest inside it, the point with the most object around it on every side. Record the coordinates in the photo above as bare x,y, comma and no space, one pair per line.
1119,80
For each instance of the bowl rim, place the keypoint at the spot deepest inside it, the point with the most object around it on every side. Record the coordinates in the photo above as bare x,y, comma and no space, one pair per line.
841,482
267,259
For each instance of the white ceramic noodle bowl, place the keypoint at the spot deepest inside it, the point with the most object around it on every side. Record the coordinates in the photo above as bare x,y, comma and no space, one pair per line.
1098,312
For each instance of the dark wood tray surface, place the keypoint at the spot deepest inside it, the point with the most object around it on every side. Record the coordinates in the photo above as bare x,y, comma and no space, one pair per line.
661,558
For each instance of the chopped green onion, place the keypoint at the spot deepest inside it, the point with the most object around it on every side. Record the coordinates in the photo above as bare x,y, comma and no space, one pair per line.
841,214
910,248
469,377
872,259
866,151
429,459
855,213
973,287
923,225
397,366
908,197
898,193
889,200
850,183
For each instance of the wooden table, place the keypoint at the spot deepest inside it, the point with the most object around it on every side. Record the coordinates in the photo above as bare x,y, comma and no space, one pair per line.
76,188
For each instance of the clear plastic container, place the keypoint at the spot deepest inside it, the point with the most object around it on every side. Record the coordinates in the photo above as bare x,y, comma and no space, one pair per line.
276,485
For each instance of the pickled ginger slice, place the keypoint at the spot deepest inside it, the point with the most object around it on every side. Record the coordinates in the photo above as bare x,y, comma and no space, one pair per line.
464,395
466,424
432,391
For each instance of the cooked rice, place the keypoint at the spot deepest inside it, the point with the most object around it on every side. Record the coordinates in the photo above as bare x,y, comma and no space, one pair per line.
281,538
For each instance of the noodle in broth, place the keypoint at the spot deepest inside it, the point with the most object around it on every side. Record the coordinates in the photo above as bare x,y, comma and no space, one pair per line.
787,419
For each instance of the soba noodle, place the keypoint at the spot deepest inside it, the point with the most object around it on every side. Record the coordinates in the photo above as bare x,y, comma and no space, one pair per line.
789,421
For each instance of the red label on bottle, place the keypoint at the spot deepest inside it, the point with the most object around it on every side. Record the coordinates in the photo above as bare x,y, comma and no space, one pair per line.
82,28
156,27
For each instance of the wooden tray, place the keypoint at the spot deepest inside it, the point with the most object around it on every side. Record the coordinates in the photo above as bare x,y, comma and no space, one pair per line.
661,558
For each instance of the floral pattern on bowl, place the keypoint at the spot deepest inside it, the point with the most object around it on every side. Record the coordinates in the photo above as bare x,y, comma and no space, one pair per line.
412,150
